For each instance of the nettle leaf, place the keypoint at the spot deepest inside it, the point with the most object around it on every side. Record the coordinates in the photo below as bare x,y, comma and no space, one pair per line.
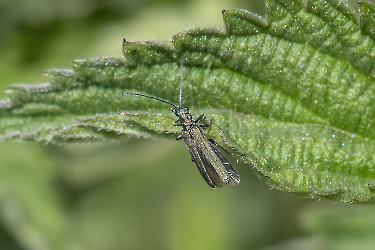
293,92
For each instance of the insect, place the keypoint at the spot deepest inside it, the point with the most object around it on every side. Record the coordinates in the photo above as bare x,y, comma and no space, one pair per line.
215,169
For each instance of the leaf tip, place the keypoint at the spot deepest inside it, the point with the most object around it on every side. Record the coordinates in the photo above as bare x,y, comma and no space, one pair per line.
28,88
124,42
5,104
76,63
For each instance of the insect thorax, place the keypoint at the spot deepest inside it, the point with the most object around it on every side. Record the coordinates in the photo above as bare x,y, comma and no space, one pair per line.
183,115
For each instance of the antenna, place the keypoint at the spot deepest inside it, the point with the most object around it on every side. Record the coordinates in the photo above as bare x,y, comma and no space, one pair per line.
157,99
161,100
182,79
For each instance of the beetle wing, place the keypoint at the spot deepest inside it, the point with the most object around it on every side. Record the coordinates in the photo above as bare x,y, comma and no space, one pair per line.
212,165
197,156
233,177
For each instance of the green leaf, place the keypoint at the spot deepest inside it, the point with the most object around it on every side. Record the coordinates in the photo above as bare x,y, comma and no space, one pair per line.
293,92
368,19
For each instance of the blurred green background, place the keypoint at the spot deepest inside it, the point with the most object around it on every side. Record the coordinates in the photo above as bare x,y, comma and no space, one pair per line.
139,194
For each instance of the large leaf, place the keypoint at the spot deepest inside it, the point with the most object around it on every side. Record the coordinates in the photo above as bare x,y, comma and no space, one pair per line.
293,92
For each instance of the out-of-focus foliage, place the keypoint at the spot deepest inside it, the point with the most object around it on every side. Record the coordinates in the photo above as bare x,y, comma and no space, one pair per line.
147,194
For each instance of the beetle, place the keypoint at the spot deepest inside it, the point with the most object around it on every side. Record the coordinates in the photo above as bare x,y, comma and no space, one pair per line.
215,169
